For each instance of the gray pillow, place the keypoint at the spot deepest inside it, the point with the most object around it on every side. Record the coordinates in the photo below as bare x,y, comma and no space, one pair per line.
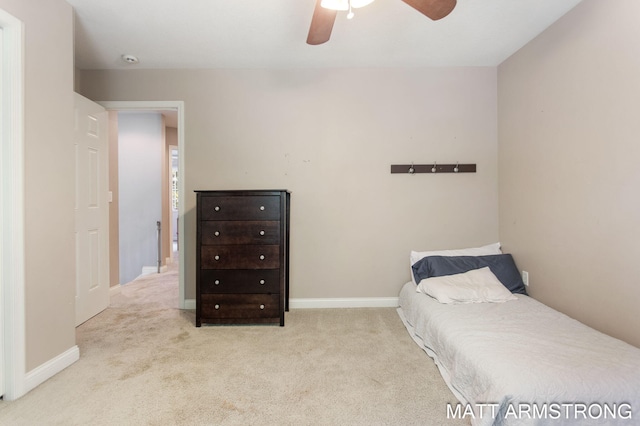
502,266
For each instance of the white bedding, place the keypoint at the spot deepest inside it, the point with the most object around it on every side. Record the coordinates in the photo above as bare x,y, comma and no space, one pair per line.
501,358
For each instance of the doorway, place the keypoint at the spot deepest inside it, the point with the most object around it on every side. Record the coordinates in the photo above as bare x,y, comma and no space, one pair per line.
178,108
174,196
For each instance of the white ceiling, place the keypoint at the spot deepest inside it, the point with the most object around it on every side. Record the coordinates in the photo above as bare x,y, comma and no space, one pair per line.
272,33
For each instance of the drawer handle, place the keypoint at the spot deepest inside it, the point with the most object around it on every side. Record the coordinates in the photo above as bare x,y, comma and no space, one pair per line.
217,282
217,208
261,207
262,257
217,234
261,282
216,257
217,306
261,306
261,232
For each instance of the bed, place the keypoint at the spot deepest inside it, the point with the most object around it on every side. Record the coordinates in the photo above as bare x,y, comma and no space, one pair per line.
509,359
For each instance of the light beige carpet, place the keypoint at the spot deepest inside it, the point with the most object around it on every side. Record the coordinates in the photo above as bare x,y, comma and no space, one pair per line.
143,362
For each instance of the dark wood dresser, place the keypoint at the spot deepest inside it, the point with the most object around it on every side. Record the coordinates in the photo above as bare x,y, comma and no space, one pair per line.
242,263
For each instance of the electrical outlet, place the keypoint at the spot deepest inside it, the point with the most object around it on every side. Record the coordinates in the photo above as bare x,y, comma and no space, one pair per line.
525,278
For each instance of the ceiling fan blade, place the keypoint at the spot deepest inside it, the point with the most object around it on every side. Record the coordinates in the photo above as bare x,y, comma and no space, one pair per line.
434,9
321,24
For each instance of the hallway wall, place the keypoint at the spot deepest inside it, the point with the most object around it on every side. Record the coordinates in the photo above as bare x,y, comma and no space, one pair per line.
140,153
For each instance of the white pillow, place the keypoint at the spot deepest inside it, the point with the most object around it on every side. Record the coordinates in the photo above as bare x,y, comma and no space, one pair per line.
475,251
474,286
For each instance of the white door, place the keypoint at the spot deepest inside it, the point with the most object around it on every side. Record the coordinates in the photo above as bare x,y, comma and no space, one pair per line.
92,209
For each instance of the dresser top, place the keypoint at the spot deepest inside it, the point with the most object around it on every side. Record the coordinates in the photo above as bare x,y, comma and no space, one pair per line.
242,191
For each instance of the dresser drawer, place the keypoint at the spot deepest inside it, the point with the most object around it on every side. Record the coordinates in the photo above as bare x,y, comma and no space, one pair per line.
240,232
239,281
240,306
257,207
240,257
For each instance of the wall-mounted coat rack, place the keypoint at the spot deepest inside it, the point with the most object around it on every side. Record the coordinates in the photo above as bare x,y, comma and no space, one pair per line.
433,168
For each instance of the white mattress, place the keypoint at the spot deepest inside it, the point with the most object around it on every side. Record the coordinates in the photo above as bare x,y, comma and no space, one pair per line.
499,359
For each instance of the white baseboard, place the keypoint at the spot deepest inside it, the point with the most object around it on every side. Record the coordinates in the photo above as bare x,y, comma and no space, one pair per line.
114,289
351,302
148,270
355,302
50,368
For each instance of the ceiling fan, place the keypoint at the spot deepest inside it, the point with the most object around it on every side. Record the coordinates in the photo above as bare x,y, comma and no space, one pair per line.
324,15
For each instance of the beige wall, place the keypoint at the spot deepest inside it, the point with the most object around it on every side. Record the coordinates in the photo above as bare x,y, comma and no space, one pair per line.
569,178
330,136
49,177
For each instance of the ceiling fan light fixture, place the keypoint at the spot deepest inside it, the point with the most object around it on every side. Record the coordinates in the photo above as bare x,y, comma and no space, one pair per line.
344,4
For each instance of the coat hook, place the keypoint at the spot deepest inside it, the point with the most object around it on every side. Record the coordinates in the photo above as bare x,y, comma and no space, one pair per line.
456,169
434,169
411,169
